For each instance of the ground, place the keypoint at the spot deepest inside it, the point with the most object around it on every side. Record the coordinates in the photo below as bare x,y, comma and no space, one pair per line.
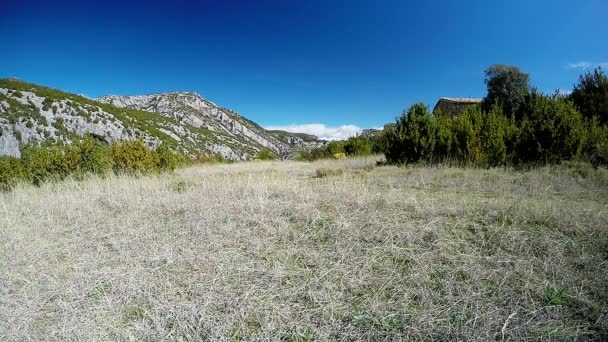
297,251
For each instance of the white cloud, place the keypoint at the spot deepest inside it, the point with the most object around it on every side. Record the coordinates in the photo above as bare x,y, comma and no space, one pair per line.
586,65
580,65
321,131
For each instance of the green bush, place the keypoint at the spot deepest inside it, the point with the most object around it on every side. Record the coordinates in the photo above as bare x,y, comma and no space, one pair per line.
356,146
590,96
467,136
497,137
133,157
413,137
379,143
88,155
328,151
335,147
597,143
11,172
266,154
551,130
44,162
167,159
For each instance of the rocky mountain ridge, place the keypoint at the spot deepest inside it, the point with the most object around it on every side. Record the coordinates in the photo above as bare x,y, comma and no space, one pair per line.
185,120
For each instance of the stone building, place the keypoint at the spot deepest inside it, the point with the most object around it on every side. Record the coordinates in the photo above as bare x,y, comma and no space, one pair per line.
453,106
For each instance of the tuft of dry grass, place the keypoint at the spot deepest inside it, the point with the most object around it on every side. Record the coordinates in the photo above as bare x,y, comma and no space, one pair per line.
268,251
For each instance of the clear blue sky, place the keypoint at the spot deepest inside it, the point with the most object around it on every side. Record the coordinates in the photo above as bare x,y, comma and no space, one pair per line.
283,62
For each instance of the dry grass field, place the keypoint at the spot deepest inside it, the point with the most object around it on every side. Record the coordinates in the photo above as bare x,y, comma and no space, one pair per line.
299,252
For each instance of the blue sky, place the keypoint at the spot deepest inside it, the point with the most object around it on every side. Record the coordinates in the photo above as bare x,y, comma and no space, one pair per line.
281,63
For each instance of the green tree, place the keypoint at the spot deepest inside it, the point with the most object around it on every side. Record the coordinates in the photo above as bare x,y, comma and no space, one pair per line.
507,87
413,137
597,143
467,136
551,130
379,142
444,138
498,136
590,95
357,146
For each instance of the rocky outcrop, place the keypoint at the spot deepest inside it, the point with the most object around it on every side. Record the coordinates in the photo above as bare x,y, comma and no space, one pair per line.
191,109
189,123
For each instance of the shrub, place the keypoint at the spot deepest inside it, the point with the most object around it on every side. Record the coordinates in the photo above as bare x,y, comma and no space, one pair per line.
467,135
88,155
379,143
551,130
444,138
334,147
266,154
167,159
11,172
590,95
413,137
497,137
18,135
43,162
357,146
133,157
597,144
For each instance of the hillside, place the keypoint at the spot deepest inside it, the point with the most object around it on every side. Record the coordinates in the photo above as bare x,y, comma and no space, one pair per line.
184,120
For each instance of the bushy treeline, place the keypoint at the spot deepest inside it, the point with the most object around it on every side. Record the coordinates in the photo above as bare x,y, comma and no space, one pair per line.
513,125
41,162
354,146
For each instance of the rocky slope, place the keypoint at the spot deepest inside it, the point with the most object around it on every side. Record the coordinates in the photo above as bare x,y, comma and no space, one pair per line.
190,109
186,121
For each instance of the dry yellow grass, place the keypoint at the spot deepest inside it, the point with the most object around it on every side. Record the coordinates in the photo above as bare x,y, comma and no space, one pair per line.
269,251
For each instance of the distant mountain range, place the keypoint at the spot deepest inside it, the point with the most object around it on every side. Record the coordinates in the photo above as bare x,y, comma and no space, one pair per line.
184,120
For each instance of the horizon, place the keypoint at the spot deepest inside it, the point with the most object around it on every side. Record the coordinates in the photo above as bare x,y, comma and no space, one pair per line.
328,69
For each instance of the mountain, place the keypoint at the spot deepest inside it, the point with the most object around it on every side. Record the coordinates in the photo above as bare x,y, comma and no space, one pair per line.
184,120
292,138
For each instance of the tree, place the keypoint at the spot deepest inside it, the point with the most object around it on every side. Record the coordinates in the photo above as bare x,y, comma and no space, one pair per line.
507,87
590,95
498,136
356,146
413,137
467,135
551,130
